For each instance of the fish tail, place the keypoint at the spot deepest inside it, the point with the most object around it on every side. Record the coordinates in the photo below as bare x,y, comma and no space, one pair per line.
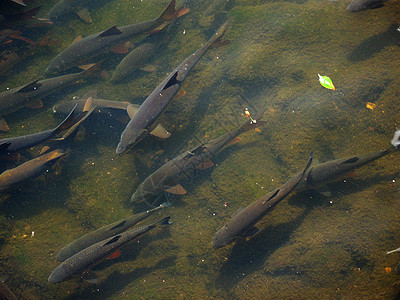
396,140
170,13
164,221
216,38
67,123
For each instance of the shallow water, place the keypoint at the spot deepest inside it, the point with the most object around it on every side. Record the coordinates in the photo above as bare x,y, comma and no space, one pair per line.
310,245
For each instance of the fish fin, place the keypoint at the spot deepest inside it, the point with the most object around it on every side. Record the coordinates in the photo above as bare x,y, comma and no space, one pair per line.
177,190
3,125
84,15
120,224
29,14
237,211
215,39
110,32
324,190
220,43
35,104
93,70
160,132
113,240
123,119
29,87
114,255
46,40
170,13
77,39
164,221
272,196
206,164
4,146
148,68
17,36
351,160
90,277
180,94
87,110
44,150
251,231
86,67
20,2
236,139
56,154
67,122
132,110
119,49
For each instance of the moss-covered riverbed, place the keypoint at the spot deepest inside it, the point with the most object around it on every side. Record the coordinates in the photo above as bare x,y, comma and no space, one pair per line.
311,245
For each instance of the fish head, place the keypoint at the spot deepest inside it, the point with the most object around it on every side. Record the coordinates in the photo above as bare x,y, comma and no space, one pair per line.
129,138
57,275
222,237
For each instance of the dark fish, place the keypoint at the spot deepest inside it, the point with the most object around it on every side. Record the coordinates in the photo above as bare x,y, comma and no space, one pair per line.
85,49
138,57
9,145
30,94
103,233
6,293
29,169
108,106
64,7
97,252
357,5
157,102
167,178
332,170
242,222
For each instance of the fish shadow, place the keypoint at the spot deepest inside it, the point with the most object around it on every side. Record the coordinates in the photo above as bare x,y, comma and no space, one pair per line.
247,257
375,44
117,281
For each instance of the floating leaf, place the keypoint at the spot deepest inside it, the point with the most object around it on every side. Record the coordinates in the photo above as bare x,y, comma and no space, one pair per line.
326,82
370,105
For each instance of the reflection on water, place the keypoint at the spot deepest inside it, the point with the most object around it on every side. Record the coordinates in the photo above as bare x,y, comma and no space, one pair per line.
327,243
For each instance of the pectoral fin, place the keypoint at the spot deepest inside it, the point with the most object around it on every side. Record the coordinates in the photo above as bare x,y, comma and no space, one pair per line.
114,255
90,276
177,190
148,68
251,231
84,15
119,49
205,165
131,110
3,125
160,132
77,39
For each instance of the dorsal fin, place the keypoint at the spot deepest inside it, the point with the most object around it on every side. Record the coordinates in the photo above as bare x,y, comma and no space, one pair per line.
172,81
30,87
113,240
273,196
110,31
350,160
118,225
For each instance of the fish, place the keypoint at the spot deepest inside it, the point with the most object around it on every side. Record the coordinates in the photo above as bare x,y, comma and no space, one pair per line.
103,233
14,144
81,51
138,57
332,170
168,177
109,107
242,222
30,94
357,5
6,293
20,2
64,7
29,170
99,251
147,117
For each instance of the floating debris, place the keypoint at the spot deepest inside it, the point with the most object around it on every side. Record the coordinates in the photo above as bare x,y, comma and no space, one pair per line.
326,82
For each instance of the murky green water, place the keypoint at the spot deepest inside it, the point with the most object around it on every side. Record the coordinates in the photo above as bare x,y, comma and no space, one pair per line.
311,246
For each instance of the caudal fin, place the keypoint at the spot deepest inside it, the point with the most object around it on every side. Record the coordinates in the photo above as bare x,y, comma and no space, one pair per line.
396,140
170,13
